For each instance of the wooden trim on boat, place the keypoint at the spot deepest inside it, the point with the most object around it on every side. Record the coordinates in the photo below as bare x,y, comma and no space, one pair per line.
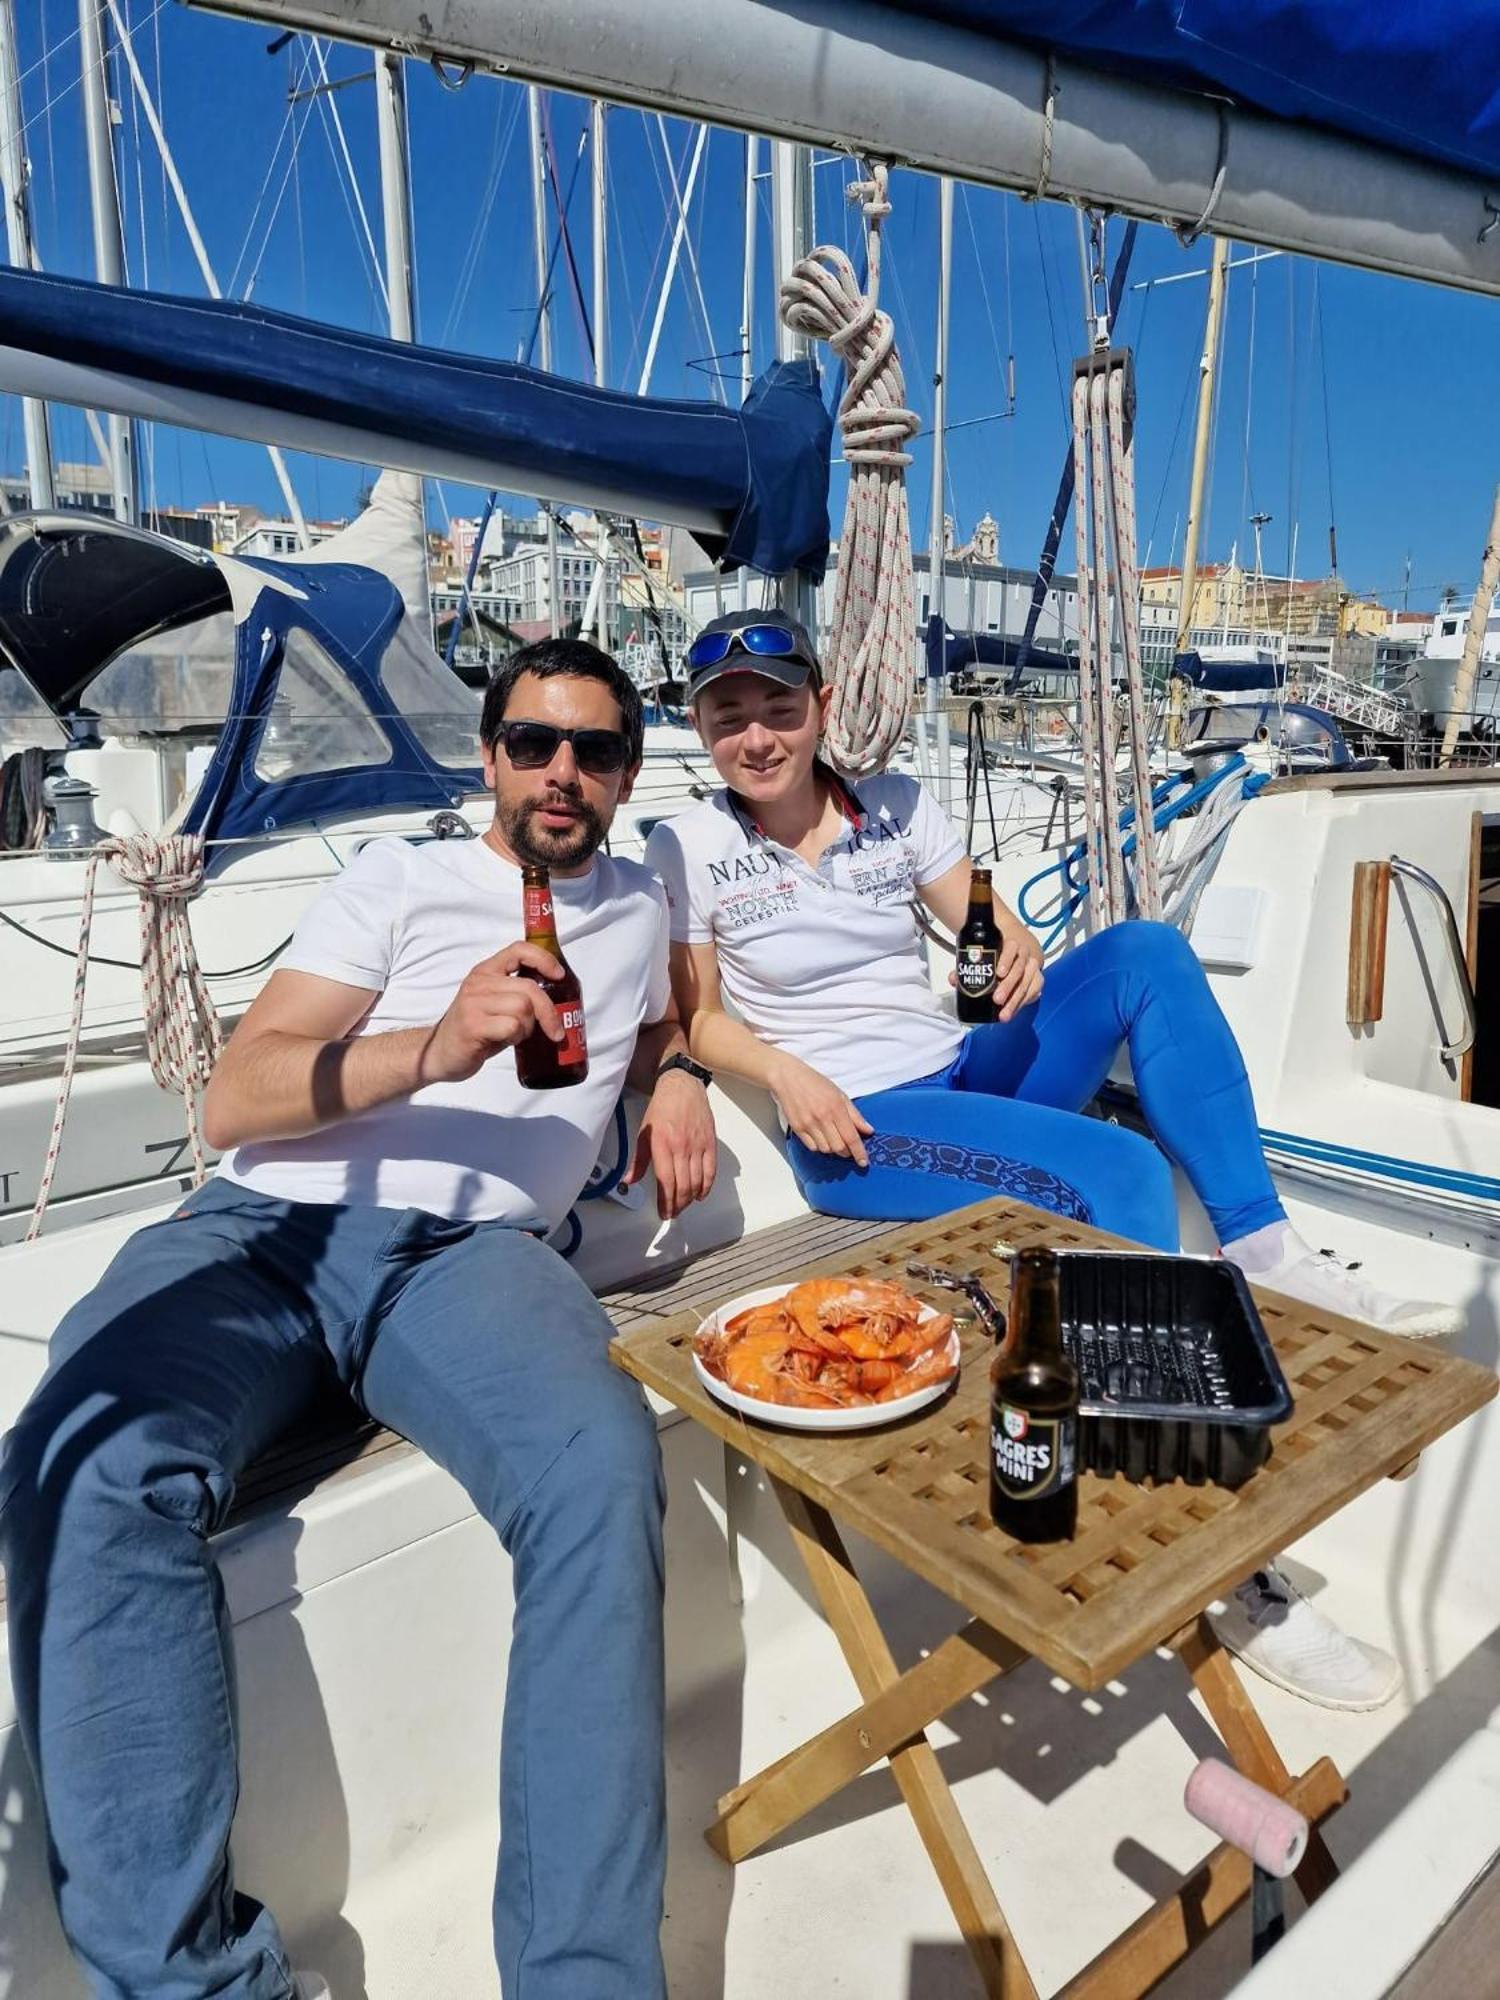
1385,781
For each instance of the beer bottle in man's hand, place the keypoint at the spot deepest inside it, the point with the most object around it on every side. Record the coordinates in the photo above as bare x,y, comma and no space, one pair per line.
978,952
1034,1410
541,1063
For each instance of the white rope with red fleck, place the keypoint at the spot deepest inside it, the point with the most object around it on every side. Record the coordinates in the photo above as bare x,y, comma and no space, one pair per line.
872,653
1105,529
183,1037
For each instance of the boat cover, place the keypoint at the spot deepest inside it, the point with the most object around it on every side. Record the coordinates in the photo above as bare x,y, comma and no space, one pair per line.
761,470
1419,76
950,652
1219,676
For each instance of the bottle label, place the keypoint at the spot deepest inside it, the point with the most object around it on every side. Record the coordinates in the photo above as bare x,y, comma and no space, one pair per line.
536,908
1033,1456
977,967
573,1049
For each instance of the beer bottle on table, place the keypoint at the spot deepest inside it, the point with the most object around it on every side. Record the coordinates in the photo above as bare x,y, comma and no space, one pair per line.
1034,1410
978,952
541,1063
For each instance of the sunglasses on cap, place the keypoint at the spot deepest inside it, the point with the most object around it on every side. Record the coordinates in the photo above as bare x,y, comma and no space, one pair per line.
531,746
766,642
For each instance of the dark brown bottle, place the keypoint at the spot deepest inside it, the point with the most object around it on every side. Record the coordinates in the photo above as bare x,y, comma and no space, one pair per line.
978,952
1034,1410
541,1063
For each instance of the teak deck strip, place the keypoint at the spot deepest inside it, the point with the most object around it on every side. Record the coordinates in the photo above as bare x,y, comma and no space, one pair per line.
1146,1559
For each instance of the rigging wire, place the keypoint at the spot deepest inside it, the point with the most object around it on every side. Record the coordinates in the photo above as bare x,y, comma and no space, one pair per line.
478,235
1062,394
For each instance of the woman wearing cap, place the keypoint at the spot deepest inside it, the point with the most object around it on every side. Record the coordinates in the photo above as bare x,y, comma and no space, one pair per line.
792,896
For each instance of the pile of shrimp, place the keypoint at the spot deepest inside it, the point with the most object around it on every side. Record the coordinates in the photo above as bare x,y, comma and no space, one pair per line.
831,1344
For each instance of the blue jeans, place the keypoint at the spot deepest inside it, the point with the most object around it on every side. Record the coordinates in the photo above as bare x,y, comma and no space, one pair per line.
208,1337
1003,1118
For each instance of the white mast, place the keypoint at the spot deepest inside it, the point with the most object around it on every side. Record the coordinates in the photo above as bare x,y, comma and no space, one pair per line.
104,209
747,302
937,539
599,164
593,618
395,194
792,237
544,308
14,175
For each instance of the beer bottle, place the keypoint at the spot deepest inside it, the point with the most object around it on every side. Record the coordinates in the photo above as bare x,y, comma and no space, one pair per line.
541,1063
978,952
1034,1410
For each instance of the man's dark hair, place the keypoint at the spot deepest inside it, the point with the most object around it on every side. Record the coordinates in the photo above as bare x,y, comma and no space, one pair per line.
580,661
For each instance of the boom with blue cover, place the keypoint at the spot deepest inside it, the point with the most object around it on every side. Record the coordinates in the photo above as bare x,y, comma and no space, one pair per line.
1419,76
751,484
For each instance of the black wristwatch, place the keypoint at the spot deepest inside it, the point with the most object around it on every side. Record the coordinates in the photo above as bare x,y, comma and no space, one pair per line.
694,1069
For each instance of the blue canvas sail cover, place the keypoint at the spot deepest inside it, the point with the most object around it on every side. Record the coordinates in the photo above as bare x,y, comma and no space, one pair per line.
950,652
752,484
1218,676
1419,76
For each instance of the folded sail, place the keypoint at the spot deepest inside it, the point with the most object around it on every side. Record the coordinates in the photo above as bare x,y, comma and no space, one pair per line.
751,484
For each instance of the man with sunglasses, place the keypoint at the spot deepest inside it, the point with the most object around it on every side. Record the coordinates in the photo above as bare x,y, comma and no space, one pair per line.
379,1222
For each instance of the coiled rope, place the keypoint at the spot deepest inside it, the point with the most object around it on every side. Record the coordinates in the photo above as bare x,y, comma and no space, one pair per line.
183,1037
872,668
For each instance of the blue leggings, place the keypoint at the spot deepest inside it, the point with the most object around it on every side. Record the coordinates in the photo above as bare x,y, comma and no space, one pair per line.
1003,1118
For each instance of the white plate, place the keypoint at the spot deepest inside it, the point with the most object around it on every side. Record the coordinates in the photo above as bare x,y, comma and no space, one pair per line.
864,1417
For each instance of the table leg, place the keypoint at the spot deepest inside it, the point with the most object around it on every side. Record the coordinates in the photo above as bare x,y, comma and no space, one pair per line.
1248,1741
914,1765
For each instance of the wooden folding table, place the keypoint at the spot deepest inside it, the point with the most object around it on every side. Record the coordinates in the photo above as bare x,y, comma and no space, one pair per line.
1144,1563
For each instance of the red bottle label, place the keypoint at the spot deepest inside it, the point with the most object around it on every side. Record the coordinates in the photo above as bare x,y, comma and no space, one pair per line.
573,1049
536,908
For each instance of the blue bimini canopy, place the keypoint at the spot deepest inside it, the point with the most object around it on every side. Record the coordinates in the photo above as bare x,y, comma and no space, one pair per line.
1416,76
751,484
338,708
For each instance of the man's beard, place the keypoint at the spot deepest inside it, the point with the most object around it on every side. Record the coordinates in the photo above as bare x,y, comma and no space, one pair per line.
548,847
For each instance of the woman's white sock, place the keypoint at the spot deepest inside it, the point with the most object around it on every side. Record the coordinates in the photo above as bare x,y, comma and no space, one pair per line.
1264,1249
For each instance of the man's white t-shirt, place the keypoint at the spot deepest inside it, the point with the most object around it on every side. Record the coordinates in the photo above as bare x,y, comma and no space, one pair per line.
821,961
409,923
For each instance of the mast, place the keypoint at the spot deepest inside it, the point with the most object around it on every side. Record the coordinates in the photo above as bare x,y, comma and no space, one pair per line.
599,163
1189,582
747,300
544,309
792,238
395,194
1479,611
937,536
104,209
14,177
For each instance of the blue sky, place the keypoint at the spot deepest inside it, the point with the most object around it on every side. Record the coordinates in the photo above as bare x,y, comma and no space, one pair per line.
1387,385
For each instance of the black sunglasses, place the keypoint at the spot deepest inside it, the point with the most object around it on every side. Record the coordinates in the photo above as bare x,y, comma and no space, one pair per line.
531,746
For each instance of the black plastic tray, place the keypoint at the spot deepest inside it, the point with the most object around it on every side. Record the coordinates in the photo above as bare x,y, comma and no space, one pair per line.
1178,1378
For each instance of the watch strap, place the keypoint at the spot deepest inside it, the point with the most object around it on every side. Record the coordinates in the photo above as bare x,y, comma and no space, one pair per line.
695,1070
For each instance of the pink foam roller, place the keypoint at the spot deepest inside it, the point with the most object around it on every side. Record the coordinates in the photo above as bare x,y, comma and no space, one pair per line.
1271,1832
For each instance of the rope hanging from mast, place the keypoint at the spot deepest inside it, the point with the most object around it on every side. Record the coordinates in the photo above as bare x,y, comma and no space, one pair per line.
872,653
1109,601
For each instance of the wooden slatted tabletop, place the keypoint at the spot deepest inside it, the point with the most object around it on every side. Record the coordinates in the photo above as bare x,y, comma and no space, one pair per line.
1145,1559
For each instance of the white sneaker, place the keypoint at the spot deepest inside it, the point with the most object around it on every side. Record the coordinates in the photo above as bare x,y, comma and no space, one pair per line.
1270,1625
1318,1278
311,1986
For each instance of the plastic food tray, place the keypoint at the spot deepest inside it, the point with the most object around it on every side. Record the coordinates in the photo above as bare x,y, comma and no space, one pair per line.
1177,1376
